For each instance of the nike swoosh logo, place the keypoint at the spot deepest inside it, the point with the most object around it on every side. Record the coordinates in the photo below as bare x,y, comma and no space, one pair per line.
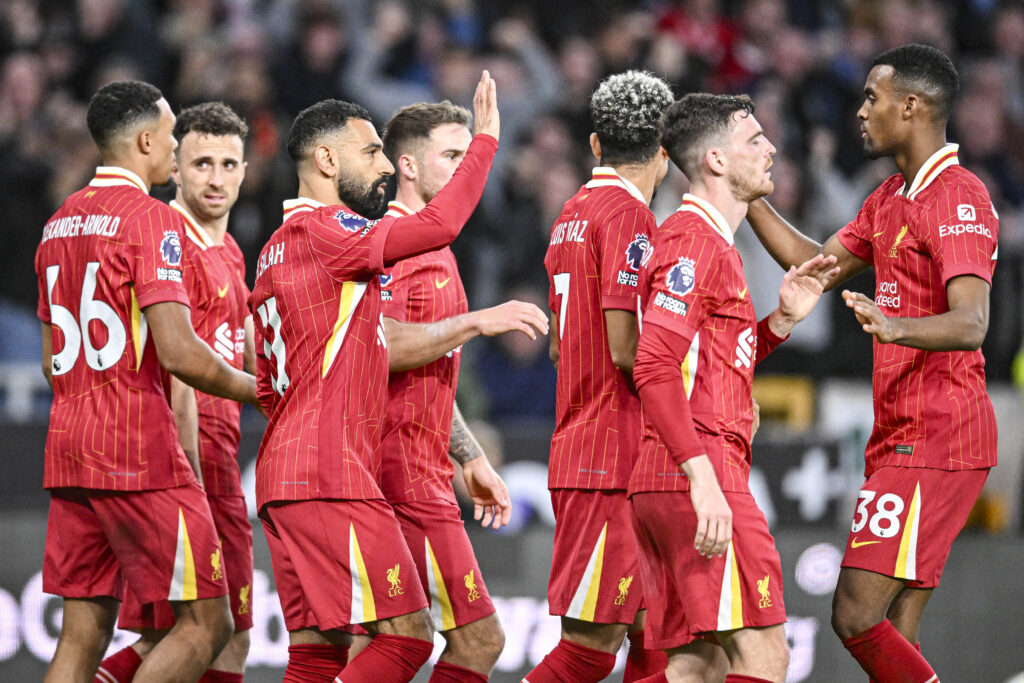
223,291
441,283
744,292
855,544
878,233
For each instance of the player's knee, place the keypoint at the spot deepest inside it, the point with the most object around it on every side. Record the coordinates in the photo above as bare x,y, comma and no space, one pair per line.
492,640
240,643
848,620
778,661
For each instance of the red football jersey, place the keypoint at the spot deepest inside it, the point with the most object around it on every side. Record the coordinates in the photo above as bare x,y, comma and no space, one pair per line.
110,251
321,354
215,279
931,407
597,246
694,286
417,430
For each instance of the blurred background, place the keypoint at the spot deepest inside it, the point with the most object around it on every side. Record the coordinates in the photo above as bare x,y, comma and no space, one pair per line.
803,61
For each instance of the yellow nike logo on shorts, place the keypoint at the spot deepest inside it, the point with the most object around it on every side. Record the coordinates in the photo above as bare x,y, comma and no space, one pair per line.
222,291
855,544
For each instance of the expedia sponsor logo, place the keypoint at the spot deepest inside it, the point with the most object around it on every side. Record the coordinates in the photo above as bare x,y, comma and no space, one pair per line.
670,303
964,229
887,295
965,212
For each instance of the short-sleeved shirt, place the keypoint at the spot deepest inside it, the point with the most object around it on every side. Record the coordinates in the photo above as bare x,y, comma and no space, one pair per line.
597,246
694,286
931,407
214,276
321,353
109,252
417,430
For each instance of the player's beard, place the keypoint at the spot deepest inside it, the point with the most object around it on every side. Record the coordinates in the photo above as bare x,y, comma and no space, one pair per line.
747,190
365,200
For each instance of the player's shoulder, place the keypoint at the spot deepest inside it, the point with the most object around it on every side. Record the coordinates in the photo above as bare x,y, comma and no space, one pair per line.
958,178
689,228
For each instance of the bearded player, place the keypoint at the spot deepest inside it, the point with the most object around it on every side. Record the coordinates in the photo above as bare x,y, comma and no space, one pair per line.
597,246
424,430
209,169
322,362
931,233
708,563
126,507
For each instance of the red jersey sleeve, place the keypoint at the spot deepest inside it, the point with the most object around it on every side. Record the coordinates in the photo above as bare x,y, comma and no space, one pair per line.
961,232
683,284
767,341
155,256
661,389
623,241
348,246
856,235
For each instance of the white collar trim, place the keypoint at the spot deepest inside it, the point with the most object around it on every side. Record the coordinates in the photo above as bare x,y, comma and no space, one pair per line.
293,207
606,176
112,176
194,231
937,163
709,213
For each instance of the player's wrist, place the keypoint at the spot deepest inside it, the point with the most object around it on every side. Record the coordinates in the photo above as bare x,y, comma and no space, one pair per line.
780,324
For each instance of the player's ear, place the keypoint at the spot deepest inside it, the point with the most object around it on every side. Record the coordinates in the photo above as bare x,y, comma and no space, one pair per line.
144,140
715,160
407,167
175,171
595,146
911,105
324,158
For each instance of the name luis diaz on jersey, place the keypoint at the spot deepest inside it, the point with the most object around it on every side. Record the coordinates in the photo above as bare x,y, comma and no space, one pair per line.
271,255
569,231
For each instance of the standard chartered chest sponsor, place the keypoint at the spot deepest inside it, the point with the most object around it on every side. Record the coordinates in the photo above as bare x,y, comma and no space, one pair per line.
887,295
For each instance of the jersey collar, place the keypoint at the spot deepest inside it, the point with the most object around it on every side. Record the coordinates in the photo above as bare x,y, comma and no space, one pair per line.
937,163
194,231
606,176
709,213
293,207
112,176
398,209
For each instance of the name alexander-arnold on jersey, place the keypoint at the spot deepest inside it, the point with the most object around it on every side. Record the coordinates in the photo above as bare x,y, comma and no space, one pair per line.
78,225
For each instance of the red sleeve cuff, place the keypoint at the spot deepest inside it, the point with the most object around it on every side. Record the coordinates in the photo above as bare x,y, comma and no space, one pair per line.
967,269
767,341
855,245
159,296
618,302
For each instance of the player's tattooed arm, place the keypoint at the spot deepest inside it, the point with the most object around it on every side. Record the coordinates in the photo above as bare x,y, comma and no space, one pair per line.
186,417
463,446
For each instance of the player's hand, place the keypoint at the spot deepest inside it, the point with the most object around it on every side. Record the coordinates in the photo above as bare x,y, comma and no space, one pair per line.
870,317
485,107
714,518
491,505
802,287
510,317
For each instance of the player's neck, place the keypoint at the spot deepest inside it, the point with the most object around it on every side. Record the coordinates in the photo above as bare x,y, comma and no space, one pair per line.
408,196
643,177
720,196
918,150
136,166
322,190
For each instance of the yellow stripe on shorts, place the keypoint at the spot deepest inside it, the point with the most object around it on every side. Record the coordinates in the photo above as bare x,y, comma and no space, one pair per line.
363,607
439,600
906,561
584,602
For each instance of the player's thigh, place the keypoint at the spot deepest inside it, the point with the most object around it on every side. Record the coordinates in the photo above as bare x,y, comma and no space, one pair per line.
78,561
606,637
595,575
339,562
205,613
447,566
906,610
756,648
165,542
906,520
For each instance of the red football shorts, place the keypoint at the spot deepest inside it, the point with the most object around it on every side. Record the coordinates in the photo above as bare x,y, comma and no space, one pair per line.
906,519
689,595
444,558
231,518
161,543
594,571
339,562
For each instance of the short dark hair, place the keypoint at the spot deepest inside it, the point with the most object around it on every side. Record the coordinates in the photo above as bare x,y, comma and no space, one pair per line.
119,105
926,71
625,110
412,125
210,118
319,120
693,122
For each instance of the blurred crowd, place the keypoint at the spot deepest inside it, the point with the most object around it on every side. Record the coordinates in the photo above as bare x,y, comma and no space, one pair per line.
803,62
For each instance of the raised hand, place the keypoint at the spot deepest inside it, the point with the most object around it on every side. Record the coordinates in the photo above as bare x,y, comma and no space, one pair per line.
801,288
511,316
485,107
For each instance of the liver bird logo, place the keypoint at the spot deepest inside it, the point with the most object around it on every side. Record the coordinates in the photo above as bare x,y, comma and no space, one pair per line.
624,583
216,574
243,599
396,582
762,588
470,581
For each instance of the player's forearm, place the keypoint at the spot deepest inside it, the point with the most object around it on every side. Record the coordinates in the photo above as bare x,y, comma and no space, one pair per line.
199,367
787,245
463,446
412,345
47,352
959,330
772,333
250,347
186,418
440,221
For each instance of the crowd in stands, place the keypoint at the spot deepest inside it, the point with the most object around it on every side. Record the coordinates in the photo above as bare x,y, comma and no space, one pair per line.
802,61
